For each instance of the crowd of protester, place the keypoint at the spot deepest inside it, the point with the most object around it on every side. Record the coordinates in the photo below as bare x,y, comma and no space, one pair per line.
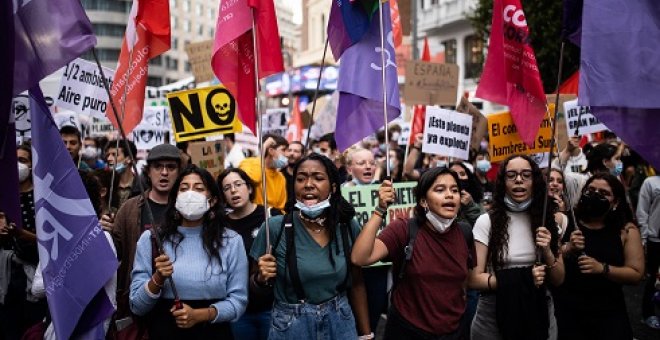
491,251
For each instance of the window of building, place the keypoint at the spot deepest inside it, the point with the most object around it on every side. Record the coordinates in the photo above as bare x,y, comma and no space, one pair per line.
186,25
323,27
158,61
154,81
173,23
105,5
187,67
474,56
186,6
109,30
211,32
199,9
450,51
104,54
175,43
200,30
172,4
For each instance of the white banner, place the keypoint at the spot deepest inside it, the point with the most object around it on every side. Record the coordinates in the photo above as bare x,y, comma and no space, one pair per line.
101,127
588,122
276,121
146,139
156,118
447,133
81,88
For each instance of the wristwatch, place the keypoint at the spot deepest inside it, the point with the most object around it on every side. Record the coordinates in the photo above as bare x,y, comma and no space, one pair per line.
606,269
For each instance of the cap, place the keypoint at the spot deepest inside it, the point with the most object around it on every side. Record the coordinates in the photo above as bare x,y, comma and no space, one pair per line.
164,151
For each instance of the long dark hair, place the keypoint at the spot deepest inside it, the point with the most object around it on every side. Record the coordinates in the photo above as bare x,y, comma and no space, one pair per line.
615,219
498,244
597,155
243,175
214,221
425,183
473,187
340,211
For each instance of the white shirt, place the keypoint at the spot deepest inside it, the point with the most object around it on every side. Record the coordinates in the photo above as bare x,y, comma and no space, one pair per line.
522,251
234,157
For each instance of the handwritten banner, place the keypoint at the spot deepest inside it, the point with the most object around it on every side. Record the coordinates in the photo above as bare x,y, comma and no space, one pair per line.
505,141
447,133
364,198
208,155
588,122
81,88
431,83
199,56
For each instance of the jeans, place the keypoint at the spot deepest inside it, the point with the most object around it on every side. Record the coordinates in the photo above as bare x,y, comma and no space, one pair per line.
332,319
252,326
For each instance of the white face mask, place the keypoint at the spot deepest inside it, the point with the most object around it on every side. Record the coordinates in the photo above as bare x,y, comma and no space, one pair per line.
440,224
517,206
313,211
23,172
192,205
89,153
441,164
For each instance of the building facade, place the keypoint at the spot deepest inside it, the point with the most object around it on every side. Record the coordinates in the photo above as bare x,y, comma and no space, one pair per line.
315,15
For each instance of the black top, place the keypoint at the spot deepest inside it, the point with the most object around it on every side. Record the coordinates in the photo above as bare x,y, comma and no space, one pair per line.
290,193
248,227
27,250
594,292
157,209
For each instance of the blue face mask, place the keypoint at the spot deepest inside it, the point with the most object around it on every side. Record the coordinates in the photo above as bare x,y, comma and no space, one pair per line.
280,162
391,164
313,211
119,168
617,170
483,165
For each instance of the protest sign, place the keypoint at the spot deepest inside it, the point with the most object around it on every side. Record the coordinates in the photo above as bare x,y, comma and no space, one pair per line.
276,121
479,122
588,122
21,112
447,133
203,112
81,88
199,56
505,141
100,127
431,83
147,138
541,159
208,155
364,198
155,96
405,134
156,118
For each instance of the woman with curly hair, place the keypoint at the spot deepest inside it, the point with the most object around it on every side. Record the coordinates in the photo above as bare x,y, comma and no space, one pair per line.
514,302
209,266
602,255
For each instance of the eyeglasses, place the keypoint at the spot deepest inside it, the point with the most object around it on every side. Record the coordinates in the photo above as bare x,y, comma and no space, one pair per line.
526,175
237,185
169,166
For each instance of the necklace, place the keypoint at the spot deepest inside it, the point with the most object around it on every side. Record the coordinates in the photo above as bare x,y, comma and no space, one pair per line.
319,221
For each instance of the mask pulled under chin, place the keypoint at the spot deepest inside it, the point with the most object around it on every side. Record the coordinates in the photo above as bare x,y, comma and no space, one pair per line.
192,205
439,223
313,211
516,206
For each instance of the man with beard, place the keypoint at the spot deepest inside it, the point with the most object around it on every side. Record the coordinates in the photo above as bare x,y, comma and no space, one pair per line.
132,219
293,153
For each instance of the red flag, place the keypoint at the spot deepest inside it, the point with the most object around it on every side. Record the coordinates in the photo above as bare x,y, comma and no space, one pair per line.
570,86
147,36
294,132
419,115
511,76
233,51
397,31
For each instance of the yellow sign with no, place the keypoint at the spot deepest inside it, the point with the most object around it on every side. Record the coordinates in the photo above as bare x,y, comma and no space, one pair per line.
203,112
505,141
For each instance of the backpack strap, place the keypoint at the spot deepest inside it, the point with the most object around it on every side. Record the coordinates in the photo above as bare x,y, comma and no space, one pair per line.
413,228
155,252
290,257
466,230
343,228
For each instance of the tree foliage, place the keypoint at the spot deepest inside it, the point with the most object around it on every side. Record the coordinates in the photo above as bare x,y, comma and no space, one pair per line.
544,21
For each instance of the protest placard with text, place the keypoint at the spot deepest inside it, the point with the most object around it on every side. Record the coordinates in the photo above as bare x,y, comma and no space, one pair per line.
276,121
203,112
364,198
82,90
447,133
504,140
479,122
588,122
100,127
199,56
208,155
431,83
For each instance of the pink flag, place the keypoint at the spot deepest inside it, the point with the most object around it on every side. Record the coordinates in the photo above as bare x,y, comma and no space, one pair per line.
511,76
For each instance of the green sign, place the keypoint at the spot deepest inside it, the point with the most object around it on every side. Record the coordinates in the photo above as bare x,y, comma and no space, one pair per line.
365,199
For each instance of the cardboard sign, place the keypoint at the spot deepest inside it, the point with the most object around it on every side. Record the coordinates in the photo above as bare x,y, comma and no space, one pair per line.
479,122
431,83
447,133
203,112
364,198
505,141
588,122
81,88
208,155
199,56
276,121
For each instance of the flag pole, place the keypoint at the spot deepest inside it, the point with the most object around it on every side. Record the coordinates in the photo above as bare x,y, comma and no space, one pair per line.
316,93
260,128
412,121
150,215
383,71
539,254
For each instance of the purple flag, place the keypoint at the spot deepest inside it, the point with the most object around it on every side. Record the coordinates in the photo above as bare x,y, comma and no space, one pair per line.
348,23
620,68
9,199
49,34
360,108
76,258
572,21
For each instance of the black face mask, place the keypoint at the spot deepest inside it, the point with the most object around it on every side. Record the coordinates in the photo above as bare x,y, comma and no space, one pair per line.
465,184
593,205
